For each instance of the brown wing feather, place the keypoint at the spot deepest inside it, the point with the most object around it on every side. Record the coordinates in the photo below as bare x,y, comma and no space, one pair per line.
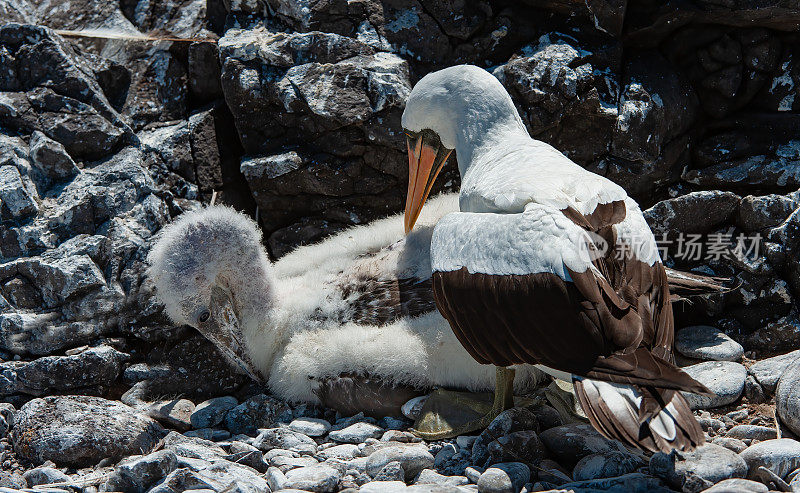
615,326
381,301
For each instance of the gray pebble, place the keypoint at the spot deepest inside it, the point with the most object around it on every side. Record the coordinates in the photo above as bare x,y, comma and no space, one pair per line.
139,473
286,464
429,476
724,378
383,487
356,433
606,465
738,485
768,371
729,443
44,475
473,473
286,439
707,343
710,462
413,458
787,397
752,432
212,434
344,451
276,480
393,471
175,413
313,427
780,456
571,442
210,413
317,478
444,455
506,477
244,453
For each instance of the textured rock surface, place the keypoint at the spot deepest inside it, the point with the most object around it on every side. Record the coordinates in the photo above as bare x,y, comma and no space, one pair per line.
80,431
710,463
780,456
787,397
296,110
707,343
724,378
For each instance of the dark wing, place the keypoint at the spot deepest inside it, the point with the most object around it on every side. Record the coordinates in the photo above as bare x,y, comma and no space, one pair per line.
609,321
382,301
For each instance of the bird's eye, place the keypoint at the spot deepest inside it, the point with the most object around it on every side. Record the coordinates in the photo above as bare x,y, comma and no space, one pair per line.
204,316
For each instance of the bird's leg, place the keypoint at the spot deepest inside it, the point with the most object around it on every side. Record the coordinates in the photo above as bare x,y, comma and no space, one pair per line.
447,414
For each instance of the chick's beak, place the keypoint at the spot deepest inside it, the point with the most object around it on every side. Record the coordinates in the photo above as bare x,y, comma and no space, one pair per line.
426,157
224,331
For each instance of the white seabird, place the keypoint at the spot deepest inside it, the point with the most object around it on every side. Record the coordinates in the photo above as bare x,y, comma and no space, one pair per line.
546,263
348,323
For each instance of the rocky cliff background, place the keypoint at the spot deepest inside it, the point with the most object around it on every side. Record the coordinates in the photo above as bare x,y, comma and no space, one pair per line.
110,127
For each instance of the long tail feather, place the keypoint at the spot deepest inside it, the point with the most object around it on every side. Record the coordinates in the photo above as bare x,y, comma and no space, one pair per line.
644,418
686,284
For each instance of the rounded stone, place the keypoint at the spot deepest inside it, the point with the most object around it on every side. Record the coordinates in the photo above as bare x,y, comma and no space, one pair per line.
392,471
707,343
44,475
768,371
605,465
508,477
356,433
729,443
80,431
709,462
780,456
738,485
344,451
174,413
313,427
752,432
571,442
383,487
210,413
318,478
787,397
413,458
724,378
286,439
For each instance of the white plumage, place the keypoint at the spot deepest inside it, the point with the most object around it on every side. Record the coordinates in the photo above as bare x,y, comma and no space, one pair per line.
528,214
300,316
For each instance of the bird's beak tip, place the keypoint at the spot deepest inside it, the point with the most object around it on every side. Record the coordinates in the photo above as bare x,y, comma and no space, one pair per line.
425,161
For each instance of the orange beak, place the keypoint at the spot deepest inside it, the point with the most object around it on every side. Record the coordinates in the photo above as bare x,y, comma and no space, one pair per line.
426,157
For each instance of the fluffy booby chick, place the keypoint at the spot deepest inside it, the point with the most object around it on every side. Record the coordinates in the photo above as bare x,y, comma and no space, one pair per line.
349,322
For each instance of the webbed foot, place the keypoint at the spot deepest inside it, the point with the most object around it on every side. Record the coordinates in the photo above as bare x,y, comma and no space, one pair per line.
447,414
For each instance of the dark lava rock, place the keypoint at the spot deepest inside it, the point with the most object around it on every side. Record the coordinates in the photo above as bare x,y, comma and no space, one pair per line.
696,212
606,465
571,442
140,473
757,213
184,368
91,369
260,411
516,419
80,431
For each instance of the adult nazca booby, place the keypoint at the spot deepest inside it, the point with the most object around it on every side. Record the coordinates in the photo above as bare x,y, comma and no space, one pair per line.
546,263
348,323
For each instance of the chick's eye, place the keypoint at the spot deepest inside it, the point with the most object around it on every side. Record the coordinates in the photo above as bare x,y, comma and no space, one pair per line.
204,316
